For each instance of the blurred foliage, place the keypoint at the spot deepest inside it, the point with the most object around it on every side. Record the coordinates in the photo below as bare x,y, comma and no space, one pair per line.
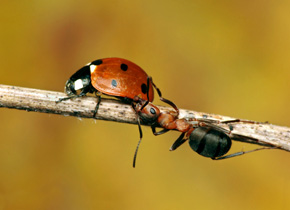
224,57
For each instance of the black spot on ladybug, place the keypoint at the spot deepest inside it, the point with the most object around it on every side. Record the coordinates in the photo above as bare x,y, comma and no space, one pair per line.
124,67
144,88
97,62
114,83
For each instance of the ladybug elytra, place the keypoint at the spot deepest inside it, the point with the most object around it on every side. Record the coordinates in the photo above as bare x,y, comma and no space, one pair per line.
113,77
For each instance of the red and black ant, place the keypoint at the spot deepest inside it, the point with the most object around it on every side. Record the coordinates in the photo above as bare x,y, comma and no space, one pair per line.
204,137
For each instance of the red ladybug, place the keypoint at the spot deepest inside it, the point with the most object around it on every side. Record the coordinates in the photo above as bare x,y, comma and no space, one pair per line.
114,77
111,76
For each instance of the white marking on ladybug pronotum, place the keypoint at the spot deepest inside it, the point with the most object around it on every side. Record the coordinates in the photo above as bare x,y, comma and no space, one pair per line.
93,68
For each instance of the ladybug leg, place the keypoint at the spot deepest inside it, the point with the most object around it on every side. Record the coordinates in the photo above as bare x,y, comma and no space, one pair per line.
66,98
97,106
83,93
139,142
98,95
241,153
160,95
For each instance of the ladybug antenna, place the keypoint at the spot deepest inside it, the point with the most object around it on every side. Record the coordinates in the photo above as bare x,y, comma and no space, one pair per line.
139,142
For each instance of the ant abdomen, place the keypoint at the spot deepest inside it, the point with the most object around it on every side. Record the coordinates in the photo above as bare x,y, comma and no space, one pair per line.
209,142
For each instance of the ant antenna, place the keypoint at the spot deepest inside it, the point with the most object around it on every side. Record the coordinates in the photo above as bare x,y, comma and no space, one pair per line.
148,80
164,99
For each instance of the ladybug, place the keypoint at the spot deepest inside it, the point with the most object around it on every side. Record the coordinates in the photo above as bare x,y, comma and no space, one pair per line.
115,77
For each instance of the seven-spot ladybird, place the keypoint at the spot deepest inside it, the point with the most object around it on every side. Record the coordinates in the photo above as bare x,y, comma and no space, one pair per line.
111,76
114,77
204,137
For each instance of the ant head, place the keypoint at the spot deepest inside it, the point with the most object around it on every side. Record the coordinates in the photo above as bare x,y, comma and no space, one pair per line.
147,112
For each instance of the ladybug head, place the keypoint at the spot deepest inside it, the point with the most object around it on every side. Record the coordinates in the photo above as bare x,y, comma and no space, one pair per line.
80,81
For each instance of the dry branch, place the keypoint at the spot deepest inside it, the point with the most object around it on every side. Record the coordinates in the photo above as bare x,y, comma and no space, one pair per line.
113,110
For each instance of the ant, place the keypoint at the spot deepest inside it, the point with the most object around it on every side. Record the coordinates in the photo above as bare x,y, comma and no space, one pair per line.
204,137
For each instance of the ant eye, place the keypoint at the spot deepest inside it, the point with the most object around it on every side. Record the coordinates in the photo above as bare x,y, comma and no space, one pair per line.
152,111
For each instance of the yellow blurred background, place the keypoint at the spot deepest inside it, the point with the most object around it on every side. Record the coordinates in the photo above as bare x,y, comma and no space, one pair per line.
223,57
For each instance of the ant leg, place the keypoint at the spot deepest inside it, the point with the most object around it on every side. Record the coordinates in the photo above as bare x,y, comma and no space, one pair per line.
163,99
159,132
209,123
225,121
139,142
178,142
239,120
228,132
241,153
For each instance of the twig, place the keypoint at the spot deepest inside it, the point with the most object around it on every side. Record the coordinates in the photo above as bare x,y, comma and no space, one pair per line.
113,110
